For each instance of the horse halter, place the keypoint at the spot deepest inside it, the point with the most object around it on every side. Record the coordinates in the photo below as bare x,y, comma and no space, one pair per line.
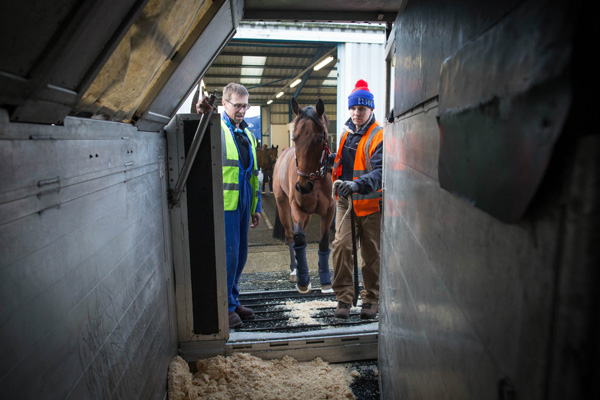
322,171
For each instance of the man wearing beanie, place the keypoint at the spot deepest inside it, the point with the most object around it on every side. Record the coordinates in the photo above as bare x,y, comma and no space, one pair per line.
358,164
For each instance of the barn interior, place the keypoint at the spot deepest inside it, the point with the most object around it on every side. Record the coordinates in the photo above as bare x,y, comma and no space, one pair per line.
491,211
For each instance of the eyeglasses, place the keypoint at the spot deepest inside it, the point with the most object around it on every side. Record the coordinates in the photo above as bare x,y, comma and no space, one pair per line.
239,106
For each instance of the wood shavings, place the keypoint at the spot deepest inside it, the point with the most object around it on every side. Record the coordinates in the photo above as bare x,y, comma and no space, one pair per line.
243,376
180,381
302,313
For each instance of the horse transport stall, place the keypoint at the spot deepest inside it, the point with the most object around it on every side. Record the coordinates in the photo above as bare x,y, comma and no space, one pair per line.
489,251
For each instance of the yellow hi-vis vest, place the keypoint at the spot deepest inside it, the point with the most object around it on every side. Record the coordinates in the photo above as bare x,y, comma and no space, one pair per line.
231,169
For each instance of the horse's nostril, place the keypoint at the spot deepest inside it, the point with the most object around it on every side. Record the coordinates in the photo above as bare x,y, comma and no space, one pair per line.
309,186
298,187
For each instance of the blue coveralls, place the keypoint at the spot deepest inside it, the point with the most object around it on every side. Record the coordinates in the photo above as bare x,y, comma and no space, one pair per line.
237,222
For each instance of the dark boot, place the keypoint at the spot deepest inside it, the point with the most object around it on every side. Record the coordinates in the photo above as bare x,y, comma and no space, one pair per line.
302,278
234,320
342,310
324,274
245,313
368,311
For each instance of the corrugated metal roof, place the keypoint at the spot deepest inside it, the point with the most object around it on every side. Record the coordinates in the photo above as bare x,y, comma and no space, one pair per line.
282,61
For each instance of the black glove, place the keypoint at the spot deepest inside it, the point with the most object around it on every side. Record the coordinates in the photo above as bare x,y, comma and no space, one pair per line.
346,188
331,159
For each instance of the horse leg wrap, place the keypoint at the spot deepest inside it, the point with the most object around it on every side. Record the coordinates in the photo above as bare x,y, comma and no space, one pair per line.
302,277
324,274
299,239
293,264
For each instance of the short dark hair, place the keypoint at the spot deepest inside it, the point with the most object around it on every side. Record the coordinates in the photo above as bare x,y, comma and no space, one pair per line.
236,88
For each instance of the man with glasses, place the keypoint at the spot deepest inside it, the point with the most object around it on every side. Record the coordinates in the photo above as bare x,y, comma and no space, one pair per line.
241,193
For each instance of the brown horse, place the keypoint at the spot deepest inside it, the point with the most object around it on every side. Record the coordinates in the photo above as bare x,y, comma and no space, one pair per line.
302,187
266,158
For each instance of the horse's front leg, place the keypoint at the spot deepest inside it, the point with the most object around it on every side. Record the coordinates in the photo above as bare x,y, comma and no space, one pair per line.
324,273
284,212
300,220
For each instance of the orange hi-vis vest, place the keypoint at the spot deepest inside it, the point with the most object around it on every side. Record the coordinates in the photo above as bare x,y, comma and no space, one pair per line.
364,204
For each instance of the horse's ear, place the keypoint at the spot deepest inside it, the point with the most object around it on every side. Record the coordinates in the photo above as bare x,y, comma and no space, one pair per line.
295,106
320,107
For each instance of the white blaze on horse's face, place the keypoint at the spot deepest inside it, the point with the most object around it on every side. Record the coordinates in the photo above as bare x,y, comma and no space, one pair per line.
360,114
235,115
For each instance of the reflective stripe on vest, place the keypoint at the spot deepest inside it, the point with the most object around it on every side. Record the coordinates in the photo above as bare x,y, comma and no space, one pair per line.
231,169
364,204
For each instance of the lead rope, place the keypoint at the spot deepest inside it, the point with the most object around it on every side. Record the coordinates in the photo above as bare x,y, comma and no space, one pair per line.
354,251
349,197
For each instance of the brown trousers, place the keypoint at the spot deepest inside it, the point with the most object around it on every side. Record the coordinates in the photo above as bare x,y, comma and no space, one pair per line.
367,230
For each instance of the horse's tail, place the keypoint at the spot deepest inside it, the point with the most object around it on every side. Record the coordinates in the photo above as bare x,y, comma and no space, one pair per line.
278,229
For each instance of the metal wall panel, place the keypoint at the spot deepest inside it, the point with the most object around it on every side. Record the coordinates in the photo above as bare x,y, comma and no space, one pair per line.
501,113
472,307
86,282
422,47
360,61
467,299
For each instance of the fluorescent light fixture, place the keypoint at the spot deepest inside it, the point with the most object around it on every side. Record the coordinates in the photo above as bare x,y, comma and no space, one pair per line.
333,81
254,61
323,63
269,102
279,94
296,82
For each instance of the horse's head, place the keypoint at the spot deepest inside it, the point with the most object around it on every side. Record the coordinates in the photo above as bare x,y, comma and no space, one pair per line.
272,154
310,139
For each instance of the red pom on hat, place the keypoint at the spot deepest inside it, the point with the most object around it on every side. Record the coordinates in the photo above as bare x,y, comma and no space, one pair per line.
361,85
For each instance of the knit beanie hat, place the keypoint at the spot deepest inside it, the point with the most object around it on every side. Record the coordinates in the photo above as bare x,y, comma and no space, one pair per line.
361,95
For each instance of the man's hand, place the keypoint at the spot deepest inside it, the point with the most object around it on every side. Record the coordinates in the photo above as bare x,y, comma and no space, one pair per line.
346,188
203,106
255,220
